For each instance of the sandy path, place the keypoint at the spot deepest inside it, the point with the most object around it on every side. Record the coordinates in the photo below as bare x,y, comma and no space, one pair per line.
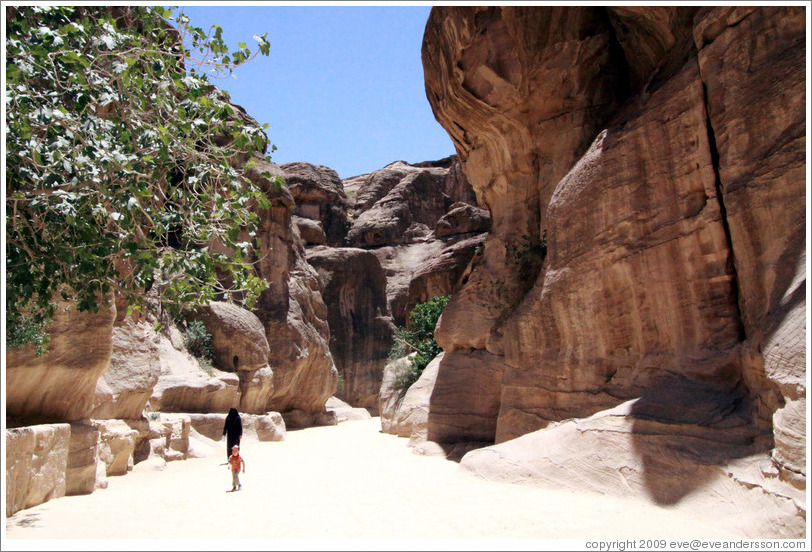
342,482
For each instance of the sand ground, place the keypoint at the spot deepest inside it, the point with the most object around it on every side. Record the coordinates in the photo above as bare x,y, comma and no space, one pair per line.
334,488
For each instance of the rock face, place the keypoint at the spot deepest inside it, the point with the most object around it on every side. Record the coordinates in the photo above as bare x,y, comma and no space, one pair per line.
405,412
634,161
60,385
320,200
125,387
36,464
361,329
291,309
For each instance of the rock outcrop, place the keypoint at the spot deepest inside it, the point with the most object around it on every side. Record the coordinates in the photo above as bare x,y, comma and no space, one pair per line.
635,253
321,203
36,465
354,289
125,387
59,386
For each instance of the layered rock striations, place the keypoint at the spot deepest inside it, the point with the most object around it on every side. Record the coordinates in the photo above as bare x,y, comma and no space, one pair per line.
643,168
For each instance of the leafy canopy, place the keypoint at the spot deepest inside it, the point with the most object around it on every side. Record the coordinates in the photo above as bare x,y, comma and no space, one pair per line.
124,164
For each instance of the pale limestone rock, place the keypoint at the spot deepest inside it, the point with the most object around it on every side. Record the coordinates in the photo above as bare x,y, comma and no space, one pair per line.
36,464
270,427
60,385
82,470
124,389
184,386
116,445
177,434
346,412
623,453
391,395
413,414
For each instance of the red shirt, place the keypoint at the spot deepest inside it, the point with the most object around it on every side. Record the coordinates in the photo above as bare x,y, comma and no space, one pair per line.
235,462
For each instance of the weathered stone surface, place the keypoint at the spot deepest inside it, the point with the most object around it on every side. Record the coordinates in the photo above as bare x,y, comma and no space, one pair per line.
124,389
237,337
753,64
346,412
60,385
463,218
320,197
444,273
361,330
412,415
634,162
262,427
400,262
177,435
465,398
391,395
291,309
300,419
311,231
81,471
407,213
623,452
240,346
185,387
36,463
116,445
270,427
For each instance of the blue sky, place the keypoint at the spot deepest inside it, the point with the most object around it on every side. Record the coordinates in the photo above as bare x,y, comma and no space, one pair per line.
342,86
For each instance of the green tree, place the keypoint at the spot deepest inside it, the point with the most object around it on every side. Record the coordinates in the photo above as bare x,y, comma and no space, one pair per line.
124,164
418,338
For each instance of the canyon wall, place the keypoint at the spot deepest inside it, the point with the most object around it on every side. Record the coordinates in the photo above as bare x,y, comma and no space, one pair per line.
644,170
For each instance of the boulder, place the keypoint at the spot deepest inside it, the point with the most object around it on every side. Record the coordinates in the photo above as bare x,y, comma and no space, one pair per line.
391,395
185,386
270,427
412,415
116,445
345,412
463,218
36,464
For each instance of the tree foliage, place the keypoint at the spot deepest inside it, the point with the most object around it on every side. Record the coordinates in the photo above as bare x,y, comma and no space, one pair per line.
124,164
418,338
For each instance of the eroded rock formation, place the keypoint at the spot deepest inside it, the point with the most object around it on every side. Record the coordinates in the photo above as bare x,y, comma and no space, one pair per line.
361,329
646,191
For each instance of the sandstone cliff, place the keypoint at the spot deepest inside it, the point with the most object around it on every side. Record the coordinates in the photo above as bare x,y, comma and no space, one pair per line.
644,170
382,242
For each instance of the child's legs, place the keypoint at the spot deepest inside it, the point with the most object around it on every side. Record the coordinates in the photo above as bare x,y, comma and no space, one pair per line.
235,478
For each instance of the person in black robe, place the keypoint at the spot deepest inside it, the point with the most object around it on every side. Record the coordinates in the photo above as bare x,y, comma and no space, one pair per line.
232,430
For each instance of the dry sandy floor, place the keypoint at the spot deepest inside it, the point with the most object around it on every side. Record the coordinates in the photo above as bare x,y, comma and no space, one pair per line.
341,487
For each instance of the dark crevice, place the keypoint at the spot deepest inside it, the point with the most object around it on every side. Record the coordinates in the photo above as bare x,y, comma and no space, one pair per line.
723,211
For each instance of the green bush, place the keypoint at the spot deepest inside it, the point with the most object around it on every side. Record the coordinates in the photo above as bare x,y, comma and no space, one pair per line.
418,337
198,340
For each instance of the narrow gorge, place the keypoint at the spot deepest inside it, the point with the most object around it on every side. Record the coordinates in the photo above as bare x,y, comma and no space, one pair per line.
622,232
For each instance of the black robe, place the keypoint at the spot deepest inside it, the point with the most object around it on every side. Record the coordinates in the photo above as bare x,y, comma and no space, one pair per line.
232,429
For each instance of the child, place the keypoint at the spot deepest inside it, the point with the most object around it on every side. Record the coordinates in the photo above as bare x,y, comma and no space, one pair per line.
236,461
